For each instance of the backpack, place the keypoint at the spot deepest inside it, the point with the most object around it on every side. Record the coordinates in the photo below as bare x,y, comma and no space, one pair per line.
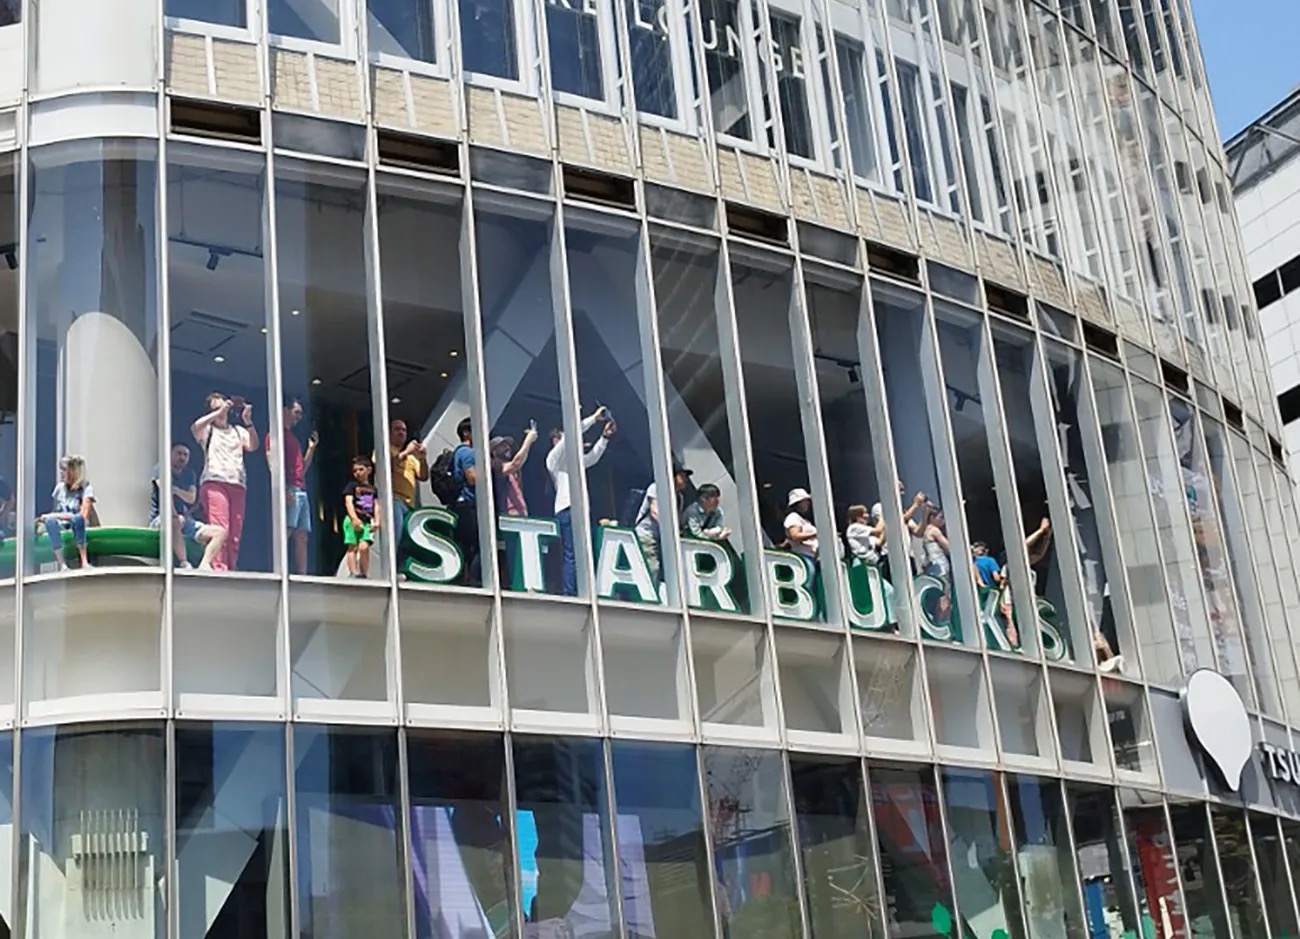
444,481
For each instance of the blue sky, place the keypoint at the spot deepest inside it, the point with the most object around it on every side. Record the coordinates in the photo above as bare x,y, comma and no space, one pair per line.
1251,55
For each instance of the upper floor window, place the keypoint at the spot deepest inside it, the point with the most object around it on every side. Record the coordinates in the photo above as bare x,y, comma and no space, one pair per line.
313,20
729,60
232,13
657,46
580,37
489,38
11,12
402,28
790,64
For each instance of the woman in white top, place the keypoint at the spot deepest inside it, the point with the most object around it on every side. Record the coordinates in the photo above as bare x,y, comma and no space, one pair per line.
223,487
800,532
864,535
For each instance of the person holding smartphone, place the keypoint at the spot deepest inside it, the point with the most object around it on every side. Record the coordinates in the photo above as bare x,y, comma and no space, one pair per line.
223,487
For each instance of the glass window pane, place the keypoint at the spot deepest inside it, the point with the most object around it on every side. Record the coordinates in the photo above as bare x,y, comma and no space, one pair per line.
889,690
839,859
792,85
549,660
1129,720
216,273
429,380
350,876
690,294
488,38
523,394
753,859
913,852
609,297
316,20
332,506
7,814
1020,701
1155,865
856,86
449,652
959,701
815,693
463,873
1102,856
82,789
733,678
652,38
857,474
1237,862
221,12
1270,856
1291,845
765,312
645,665
1044,858
916,418
403,28
1131,501
562,826
1049,545
1083,465
726,48
662,855
11,238
1206,915
225,641
573,32
232,830
979,842
338,643
92,317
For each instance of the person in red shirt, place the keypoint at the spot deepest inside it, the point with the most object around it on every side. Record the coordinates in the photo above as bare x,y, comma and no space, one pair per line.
297,507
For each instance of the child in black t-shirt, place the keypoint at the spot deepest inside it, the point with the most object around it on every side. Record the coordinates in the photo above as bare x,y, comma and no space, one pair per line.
361,503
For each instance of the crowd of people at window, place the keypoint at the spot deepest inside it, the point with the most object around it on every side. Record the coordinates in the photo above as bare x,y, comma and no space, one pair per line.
207,507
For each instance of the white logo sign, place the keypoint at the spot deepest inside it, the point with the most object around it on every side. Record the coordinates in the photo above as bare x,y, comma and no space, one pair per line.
1218,720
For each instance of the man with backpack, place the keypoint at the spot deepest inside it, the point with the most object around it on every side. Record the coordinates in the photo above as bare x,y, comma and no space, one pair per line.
454,481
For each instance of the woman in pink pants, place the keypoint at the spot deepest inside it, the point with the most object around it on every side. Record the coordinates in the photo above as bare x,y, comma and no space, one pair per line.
224,483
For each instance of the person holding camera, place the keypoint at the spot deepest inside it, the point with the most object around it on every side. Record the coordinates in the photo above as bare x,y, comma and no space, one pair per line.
557,465
223,487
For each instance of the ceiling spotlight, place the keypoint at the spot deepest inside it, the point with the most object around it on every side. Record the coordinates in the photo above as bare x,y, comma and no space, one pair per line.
294,312
395,400
454,353
442,374
263,330
218,359
315,381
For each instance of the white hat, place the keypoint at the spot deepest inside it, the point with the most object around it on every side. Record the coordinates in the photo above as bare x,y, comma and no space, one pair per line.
796,496
877,510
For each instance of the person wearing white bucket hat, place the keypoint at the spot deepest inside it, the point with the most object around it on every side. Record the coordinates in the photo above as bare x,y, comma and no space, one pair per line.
799,529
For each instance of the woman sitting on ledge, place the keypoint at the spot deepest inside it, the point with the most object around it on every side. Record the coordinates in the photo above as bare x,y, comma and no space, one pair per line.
74,500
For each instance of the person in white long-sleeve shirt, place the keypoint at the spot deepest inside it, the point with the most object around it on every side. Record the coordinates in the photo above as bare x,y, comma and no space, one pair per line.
557,465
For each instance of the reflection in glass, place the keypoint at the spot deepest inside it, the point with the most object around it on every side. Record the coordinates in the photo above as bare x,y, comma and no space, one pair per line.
402,28
7,815
573,32
662,858
1237,864
562,825
653,52
216,272
839,859
350,879
219,12
1081,462
979,843
487,38
1206,915
765,312
1129,489
92,346
1109,905
916,416
82,789
726,52
753,858
535,521
313,20
1155,866
1282,914
913,852
1044,858
10,246
688,289
232,850
462,869
428,376
332,508
792,85
608,297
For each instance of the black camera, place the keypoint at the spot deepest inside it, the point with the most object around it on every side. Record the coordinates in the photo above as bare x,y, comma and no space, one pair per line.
237,405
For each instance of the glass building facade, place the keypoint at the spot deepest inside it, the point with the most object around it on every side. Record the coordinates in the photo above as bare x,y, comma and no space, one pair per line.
774,462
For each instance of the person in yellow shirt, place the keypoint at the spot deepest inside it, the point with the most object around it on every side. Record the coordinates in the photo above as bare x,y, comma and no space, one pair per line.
409,460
